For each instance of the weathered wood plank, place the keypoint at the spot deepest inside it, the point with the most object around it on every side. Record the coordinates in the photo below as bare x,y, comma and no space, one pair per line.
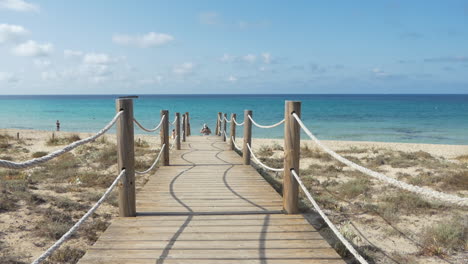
207,208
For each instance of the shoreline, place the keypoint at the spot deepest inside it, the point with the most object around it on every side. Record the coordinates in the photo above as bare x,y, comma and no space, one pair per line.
446,150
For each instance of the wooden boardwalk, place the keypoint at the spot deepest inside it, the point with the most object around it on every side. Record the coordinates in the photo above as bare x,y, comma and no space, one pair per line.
208,208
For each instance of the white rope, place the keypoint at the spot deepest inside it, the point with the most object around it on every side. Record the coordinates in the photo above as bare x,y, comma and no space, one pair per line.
329,223
72,230
154,163
239,124
235,145
226,119
259,162
426,192
153,129
33,162
175,119
261,126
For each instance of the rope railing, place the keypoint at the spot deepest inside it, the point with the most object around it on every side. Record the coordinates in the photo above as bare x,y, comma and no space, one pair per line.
327,220
235,145
152,129
73,229
173,122
263,126
260,163
426,192
239,124
228,121
36,161
154,163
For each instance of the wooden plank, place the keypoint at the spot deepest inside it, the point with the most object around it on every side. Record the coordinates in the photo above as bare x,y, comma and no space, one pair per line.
204,209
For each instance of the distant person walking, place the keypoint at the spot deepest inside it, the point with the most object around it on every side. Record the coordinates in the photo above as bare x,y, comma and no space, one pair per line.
58,125
173,134
205,130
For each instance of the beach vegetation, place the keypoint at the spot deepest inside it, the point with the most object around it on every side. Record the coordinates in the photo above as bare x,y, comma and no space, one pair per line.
93,228
67,254
265,151
462,158
353,150
353,188
55,140
107,156
277,147
143,164
314,153
95,179
140,143
39,154
6,157
53,224
273,162
445,237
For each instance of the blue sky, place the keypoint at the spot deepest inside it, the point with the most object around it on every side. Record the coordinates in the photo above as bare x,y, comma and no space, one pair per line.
171,47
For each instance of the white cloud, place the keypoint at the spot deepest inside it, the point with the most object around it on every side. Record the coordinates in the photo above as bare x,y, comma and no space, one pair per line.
143,41
184,68
227,58
33,49
50,75
232,79
98,59
266,57
18,5
8,77
251,58
11,33
72,54
209,18
42,63
156,80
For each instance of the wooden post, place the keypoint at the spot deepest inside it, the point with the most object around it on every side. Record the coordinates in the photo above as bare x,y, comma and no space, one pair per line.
183,128
126,157
187,123
186,127
164,133
17,136
177,131
233,131
218,123
247,136
224,127
292,146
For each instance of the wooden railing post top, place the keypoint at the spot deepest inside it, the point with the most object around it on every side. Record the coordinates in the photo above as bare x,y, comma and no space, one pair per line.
123,103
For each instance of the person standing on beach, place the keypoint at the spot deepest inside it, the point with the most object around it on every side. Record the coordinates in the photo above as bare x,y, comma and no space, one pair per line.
205,130
58,125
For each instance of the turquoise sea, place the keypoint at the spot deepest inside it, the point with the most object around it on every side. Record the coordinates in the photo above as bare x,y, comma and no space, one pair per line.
440,119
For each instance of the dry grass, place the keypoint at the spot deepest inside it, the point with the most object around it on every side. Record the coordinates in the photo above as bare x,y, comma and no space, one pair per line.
67,254
446,237
55,141
265,151
353,188
139,143
54,224
462,158
314,153
39,154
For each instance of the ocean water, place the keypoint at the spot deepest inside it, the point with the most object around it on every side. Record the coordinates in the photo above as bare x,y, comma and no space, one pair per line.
439,119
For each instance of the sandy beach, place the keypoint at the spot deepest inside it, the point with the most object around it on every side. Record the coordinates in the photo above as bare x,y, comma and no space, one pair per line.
446,151
372,208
